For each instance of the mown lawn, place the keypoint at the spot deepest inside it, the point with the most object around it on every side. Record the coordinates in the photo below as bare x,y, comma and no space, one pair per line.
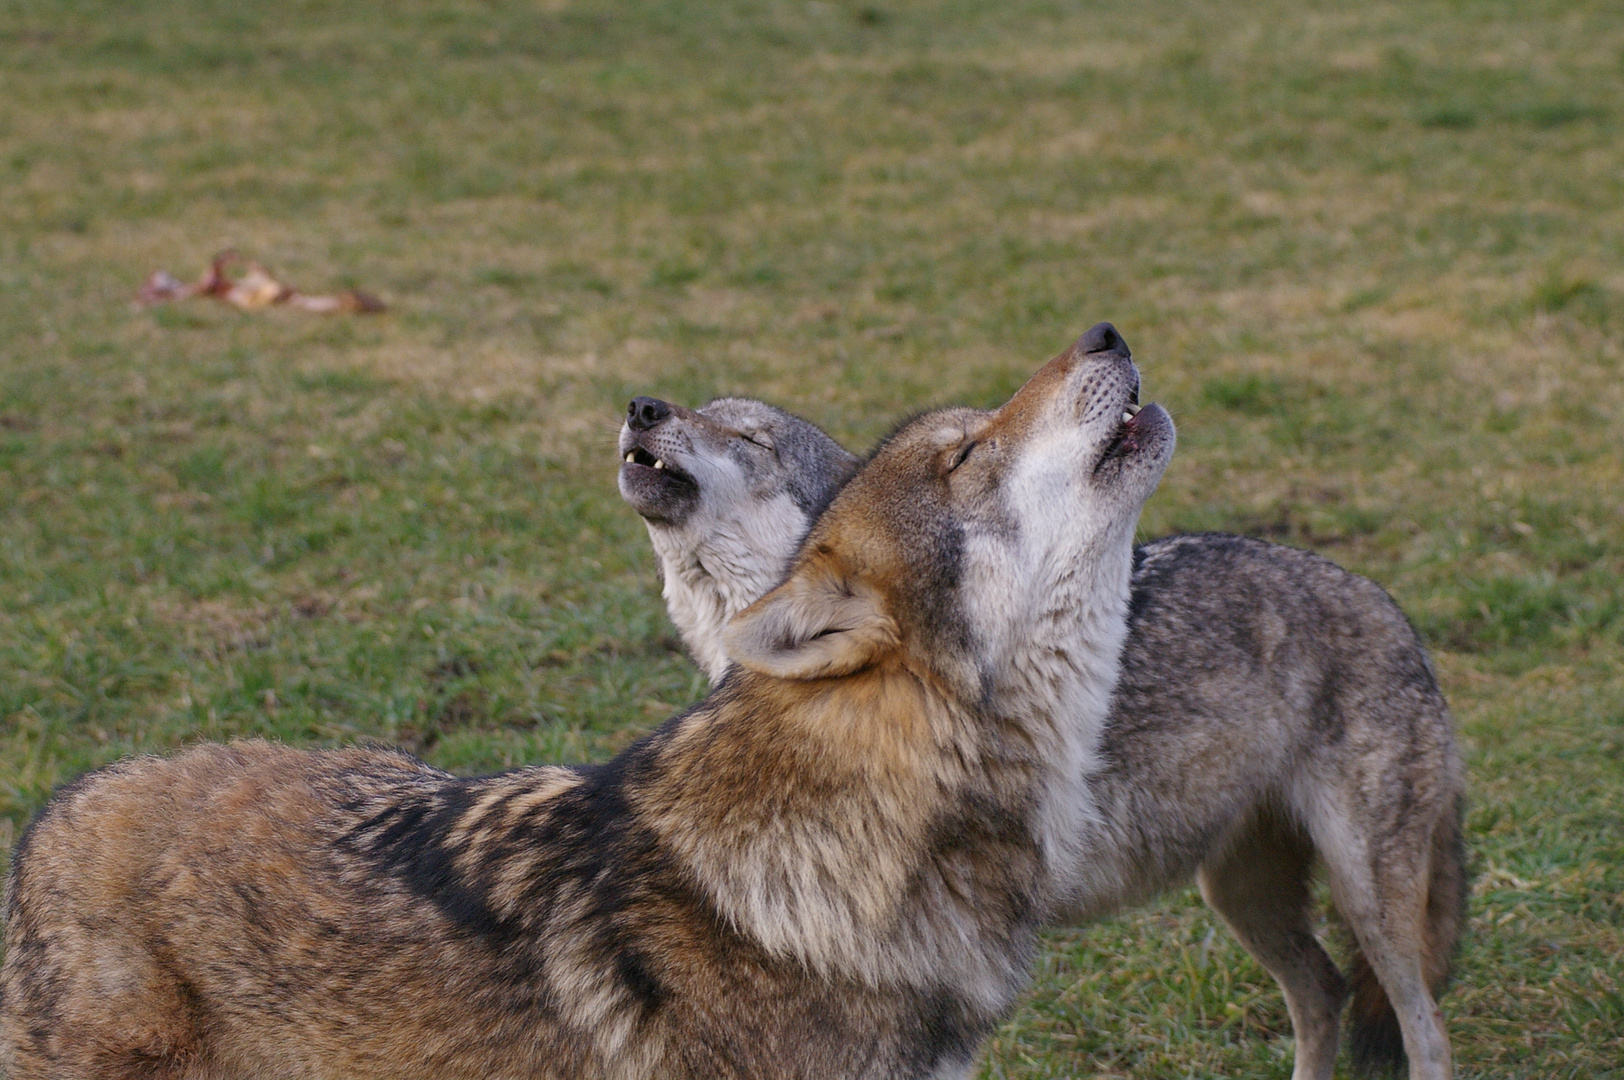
1371,255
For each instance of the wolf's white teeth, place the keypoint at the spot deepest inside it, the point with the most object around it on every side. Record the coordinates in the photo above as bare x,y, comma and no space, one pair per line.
1132,411
1126,416
630,458
659,463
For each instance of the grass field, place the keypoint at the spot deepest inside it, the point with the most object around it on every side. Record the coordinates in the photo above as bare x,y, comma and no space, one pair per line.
1370,255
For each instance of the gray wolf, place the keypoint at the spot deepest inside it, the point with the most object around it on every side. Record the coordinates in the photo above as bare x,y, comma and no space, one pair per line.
1273,709
831,867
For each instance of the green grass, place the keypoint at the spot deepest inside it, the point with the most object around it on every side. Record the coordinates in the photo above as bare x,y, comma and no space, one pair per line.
1370,255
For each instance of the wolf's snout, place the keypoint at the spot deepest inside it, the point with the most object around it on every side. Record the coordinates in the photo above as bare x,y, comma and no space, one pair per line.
1103,338
644,412
1104,342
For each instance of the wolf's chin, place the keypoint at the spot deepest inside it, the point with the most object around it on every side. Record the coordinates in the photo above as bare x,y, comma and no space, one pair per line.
662,497
1144,442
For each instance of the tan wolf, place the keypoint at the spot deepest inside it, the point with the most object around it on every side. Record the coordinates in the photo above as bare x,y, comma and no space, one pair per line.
831,867
1272,708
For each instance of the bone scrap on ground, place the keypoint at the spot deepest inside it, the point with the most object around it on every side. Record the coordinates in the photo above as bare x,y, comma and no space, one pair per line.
255,290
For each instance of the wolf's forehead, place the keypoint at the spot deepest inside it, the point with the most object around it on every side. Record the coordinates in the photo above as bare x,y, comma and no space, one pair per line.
741,412
940,428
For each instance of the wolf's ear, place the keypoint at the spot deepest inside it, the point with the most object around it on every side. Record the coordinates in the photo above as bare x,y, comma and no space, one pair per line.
819,624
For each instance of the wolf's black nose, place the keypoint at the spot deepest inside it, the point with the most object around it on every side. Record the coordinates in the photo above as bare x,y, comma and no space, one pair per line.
644,412
1103,338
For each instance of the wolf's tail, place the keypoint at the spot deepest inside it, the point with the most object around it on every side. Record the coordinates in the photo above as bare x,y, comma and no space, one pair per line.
1374,1038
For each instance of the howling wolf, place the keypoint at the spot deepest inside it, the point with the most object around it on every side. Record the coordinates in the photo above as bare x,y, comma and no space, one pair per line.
1271,708
832,867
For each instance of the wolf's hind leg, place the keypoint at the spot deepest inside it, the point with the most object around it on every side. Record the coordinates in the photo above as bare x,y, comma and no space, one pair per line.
1384,896
1260,887
82,1054
105,1053
109,1013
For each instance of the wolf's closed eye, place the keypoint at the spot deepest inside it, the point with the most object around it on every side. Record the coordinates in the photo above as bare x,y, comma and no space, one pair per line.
757,438
964,452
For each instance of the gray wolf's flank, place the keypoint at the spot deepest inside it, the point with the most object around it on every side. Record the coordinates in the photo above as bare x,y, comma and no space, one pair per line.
1271,708
832,867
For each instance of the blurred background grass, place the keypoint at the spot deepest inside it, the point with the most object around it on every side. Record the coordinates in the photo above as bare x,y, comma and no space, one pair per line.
1368,254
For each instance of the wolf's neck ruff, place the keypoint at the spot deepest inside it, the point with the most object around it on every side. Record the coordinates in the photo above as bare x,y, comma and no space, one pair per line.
1062,685
829,869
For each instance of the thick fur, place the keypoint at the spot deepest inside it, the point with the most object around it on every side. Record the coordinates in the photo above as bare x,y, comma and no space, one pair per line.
1273,710
832,867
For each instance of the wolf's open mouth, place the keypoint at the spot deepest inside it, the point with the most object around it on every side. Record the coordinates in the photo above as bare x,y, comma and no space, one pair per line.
638,456
1123,441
